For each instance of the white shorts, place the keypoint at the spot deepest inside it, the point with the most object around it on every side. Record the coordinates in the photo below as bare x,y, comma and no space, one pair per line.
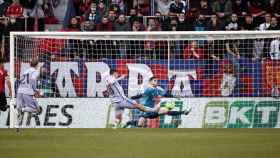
124,104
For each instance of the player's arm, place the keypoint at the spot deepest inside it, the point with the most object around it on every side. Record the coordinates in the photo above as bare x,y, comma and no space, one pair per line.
33,82
7,79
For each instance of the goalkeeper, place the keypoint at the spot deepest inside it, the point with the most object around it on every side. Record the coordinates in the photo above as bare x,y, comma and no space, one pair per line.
151,99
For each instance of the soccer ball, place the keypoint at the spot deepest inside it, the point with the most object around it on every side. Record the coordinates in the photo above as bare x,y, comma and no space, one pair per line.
170,105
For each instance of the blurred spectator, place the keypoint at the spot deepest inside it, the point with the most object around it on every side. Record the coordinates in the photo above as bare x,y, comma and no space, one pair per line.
183,24
133,15
233,24
205,8
274,24
137,26
192,51
232,53
274,8
275,49
15,9
101,8
214,24
88,26
105,25
163,6
48,10
264,26
119,5
248,23
258,49
143,6
152,26
200,24
223,8
176,7
121,24
74,25
112,16
214,50
228,81
92,15
3,7
240,7
257,7
84,6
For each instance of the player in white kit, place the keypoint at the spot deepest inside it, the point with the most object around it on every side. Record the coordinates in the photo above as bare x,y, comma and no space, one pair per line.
118,98
27,91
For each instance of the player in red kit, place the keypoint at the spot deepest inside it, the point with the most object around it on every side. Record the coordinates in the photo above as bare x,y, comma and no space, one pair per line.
3,79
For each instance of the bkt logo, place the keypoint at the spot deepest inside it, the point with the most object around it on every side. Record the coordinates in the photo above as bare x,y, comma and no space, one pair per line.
242,114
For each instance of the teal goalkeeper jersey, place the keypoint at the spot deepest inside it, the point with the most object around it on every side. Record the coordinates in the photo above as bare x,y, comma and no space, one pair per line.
150,93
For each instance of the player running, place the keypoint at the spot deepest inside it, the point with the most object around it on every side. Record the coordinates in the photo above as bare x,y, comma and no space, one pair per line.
151,99
27,91
4,78
118,98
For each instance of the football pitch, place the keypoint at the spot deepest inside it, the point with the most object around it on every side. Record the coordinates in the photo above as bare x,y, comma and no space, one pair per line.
140,143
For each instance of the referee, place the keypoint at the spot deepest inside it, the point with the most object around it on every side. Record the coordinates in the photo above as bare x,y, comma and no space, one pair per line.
3,78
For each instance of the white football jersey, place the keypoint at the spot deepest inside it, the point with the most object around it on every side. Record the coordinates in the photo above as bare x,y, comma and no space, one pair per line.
28,81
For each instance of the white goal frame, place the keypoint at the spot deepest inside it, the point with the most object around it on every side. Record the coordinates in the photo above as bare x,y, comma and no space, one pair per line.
166,36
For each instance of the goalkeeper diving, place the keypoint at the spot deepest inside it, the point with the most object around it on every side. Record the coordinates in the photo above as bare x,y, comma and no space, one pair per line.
151,99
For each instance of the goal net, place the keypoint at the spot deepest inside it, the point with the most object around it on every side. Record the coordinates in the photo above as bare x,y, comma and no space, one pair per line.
230,79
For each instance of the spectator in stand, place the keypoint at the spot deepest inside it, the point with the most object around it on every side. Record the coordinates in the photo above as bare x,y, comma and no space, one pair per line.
163,6
214,24
275,49
232,53
48,9
152,26
112,16
121,24
3,7
240,7
101,8
143,6
205,8
200,24
257,7
264,26
274,8
87,26
223,9
192,51
15,10
248,23
105,25
84,6
233,24
119,5
74,24
137,26
228,81
274,24
92,15
183,24
176,8
133,15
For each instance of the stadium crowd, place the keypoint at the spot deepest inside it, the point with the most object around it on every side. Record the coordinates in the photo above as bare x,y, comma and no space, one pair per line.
149,15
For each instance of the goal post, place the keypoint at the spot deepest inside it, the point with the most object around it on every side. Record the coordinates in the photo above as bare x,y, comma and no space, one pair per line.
230,78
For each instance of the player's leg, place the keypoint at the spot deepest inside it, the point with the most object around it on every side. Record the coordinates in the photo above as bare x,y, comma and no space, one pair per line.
166,111
3,102
31,105
119,110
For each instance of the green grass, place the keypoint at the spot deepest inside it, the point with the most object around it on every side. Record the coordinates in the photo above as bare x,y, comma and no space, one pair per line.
140,143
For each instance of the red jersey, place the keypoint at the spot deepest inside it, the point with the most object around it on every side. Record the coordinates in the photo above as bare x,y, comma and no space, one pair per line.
3,75
15,9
